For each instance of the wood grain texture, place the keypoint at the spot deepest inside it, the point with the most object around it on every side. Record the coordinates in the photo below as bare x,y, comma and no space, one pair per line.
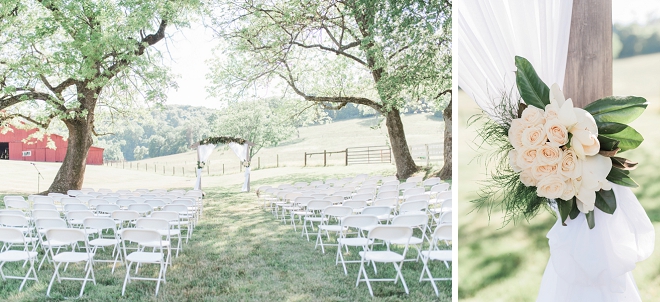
589,63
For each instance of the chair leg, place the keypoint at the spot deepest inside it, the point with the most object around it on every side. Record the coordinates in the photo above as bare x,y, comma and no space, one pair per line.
399,275
31,269
127,278
52,279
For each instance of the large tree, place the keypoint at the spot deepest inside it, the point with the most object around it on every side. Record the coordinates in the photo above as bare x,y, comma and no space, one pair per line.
63,59
375,53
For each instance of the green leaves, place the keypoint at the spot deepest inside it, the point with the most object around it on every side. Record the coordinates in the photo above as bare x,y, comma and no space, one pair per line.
620,177
619,109
628,138
606,201
565,207
532,89
591,221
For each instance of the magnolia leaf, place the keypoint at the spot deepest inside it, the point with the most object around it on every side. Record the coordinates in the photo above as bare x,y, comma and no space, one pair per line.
608,144
564,208
606,201
611,128
628,139
532,89
623,163
619,109
574,210
591,220
620,177
607,153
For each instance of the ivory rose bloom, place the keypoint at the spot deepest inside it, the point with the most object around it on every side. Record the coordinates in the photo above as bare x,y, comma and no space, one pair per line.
585,143
532,116
513,159
527,178
570,166
549,155
556,132
551,112
551,187
533,136
542,171
526,157
569,190
516,133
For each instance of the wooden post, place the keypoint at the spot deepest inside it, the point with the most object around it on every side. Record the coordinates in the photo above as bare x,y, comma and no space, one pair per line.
240,167
346,156
589,63
428,155
172,171
258,163
324,158
305,160
223,169
163,170
183,171
277,160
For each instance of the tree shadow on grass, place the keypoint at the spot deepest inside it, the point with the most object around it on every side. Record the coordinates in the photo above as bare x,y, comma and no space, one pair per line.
492,269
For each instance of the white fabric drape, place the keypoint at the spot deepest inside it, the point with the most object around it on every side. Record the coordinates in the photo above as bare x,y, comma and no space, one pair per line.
585,265
243,152
491,33
203,154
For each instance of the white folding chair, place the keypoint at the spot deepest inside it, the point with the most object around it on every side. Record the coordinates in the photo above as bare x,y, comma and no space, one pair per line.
142,208
9,237
414,206
173,220
163,228
356,205
107,240
17,204
413,220
43,224
70,237
358,222
314,209
386,233
330,214
105,210
44,206
184,217
301,204
442,232
143,237
124,218
415,179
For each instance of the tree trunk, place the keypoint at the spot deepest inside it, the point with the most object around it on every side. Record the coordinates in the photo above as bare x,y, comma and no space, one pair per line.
405,165
445,173
72,172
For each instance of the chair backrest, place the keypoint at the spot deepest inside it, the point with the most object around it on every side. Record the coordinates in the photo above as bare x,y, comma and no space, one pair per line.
56,196
376,210
413,206
17,204
155,203
79,214
44,199
13,197
141,208
48,223
44,206
343,193
101,223
359,221
319,196
12,235
411,220
389,202
152,223
446,205
12,212
70,200
107,208
423,197
431,181
337,211
387,185
444,195
445,218
124,202
334,199
303,200
390,232
14,221
75,207
85,198
140,236
367,190
167,215
412,192
184,201
415,179
442,232
363,197
65,236
179,208
407,185
440,187
318,205
45,214
387,194
93,203
355,204
124,215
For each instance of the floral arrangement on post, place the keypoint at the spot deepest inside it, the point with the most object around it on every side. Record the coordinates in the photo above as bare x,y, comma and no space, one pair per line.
222,140
551,152
200,164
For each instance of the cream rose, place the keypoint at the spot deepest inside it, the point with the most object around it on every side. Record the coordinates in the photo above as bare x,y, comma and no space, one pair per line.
551,187
570,166
527,178
541,171
569,190
513,159
526,157
584,143
516,133
556,132
551,112
533,136
549,155
532,116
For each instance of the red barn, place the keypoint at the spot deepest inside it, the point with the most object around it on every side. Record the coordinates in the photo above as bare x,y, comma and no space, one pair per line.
12,147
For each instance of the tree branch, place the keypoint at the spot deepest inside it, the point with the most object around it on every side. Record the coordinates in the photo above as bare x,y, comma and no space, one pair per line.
10,100
339,51
446,91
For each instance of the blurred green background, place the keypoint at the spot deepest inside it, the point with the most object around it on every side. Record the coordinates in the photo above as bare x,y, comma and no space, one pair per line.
499,263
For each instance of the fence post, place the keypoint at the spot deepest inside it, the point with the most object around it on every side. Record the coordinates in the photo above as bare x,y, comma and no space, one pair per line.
305,160
240,167
172,171
163,170
324,158
277,160
154,168
223,169
258,163
346,156
183,171
428,157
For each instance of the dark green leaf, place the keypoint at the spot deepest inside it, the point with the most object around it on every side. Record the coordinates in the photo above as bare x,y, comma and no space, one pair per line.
606,201
628,139
574,210
564,208
619,109
607,143
620,177
532,90
611,128
591,219
623,163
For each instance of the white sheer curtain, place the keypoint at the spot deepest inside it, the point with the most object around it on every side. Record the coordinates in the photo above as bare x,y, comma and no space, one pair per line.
243,152
585,265
203,154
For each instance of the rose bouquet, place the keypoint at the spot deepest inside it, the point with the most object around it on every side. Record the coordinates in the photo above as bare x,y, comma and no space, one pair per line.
553,152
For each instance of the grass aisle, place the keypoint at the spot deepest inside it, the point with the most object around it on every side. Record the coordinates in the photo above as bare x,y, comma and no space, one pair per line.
239,252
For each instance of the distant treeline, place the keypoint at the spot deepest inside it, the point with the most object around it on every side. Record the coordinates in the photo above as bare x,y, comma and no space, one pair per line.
635,39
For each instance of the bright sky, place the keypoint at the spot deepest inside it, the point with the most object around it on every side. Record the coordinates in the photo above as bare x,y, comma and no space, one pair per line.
191,47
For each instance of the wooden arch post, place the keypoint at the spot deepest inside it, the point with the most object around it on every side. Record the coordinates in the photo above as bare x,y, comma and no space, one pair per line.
589,63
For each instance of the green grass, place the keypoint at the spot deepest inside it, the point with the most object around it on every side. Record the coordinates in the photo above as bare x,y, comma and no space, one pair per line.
508,262
239,252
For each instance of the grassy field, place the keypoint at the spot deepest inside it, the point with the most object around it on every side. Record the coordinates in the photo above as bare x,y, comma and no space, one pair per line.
239,252
508,262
